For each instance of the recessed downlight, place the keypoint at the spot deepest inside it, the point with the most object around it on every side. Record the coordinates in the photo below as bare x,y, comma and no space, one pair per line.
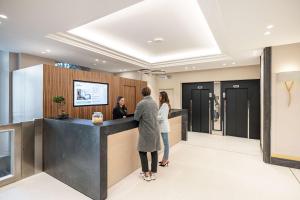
224,64
3,16
158,39
270,26
104,61
48,50
233,63
97,60
43,52
267,33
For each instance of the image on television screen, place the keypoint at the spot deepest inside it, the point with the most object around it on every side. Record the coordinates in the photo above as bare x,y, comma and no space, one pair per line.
90,93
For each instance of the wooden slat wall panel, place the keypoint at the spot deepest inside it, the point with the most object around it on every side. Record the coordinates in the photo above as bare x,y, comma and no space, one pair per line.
59,81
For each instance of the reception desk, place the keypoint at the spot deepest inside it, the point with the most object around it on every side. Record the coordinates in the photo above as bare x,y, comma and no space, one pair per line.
91,158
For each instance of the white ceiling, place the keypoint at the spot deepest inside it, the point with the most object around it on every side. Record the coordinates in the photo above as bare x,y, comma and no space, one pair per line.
182,27
237,26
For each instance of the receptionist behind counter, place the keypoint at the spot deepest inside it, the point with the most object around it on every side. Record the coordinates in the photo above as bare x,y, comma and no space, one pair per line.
120,110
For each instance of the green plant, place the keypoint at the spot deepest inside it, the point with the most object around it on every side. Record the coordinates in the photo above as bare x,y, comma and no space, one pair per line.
60,101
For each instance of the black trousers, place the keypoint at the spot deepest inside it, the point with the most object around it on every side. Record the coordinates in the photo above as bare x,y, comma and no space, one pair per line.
144,161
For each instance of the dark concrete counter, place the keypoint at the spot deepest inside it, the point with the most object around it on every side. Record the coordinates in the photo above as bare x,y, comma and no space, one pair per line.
75,151
118,125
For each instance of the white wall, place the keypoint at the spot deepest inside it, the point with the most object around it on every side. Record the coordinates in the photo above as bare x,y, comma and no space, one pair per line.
285,130
151,81
4,87
26,60
28,94
233,73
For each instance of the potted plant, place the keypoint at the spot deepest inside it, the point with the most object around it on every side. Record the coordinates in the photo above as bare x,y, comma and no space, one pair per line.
60,102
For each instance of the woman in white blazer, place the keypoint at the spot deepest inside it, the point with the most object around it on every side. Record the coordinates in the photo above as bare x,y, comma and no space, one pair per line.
163,119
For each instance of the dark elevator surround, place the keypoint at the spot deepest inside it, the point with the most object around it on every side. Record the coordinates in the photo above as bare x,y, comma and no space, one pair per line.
241,108
197,99
241,99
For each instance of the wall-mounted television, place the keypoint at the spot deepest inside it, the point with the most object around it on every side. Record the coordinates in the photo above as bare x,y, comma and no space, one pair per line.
90,93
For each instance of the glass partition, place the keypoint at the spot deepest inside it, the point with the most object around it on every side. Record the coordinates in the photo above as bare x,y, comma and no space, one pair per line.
6,154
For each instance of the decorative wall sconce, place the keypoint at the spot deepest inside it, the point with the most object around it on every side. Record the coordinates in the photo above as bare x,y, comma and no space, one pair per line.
288,78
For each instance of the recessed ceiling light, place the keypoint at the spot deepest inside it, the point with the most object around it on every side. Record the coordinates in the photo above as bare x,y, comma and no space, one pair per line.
149,41
103,61
97,60
267,33
158,39
48,50
270,26
3,16
224,64
233,63
43,52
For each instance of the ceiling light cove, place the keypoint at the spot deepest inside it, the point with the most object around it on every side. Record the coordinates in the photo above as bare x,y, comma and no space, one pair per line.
3,16
126,31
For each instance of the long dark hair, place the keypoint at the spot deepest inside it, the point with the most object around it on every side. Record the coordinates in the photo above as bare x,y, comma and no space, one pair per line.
164,99
118,100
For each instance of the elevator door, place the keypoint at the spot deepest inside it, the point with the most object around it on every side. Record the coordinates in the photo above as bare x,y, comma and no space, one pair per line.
200,111
237,112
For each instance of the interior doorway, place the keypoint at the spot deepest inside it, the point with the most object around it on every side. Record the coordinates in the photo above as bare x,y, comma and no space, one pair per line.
197,98
129,94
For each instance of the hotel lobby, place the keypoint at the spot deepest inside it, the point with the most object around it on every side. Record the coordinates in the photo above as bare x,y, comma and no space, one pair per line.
87,85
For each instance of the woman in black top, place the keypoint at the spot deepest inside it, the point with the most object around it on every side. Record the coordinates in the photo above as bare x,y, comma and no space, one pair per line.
120,111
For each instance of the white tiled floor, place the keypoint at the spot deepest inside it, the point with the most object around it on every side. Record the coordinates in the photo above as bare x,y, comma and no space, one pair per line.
207,167
296,172
40,187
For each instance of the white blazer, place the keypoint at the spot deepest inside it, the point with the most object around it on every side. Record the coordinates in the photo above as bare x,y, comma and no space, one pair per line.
163,118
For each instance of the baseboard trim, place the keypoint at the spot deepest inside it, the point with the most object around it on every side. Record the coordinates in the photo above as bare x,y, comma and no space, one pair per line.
285,157
285,162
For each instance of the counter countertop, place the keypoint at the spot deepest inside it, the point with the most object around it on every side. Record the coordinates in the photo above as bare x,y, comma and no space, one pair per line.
118,125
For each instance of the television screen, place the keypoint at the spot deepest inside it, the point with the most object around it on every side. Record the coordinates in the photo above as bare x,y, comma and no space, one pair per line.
90,93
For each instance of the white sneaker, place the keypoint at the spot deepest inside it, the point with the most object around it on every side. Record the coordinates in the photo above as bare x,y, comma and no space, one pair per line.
146,178
153,176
